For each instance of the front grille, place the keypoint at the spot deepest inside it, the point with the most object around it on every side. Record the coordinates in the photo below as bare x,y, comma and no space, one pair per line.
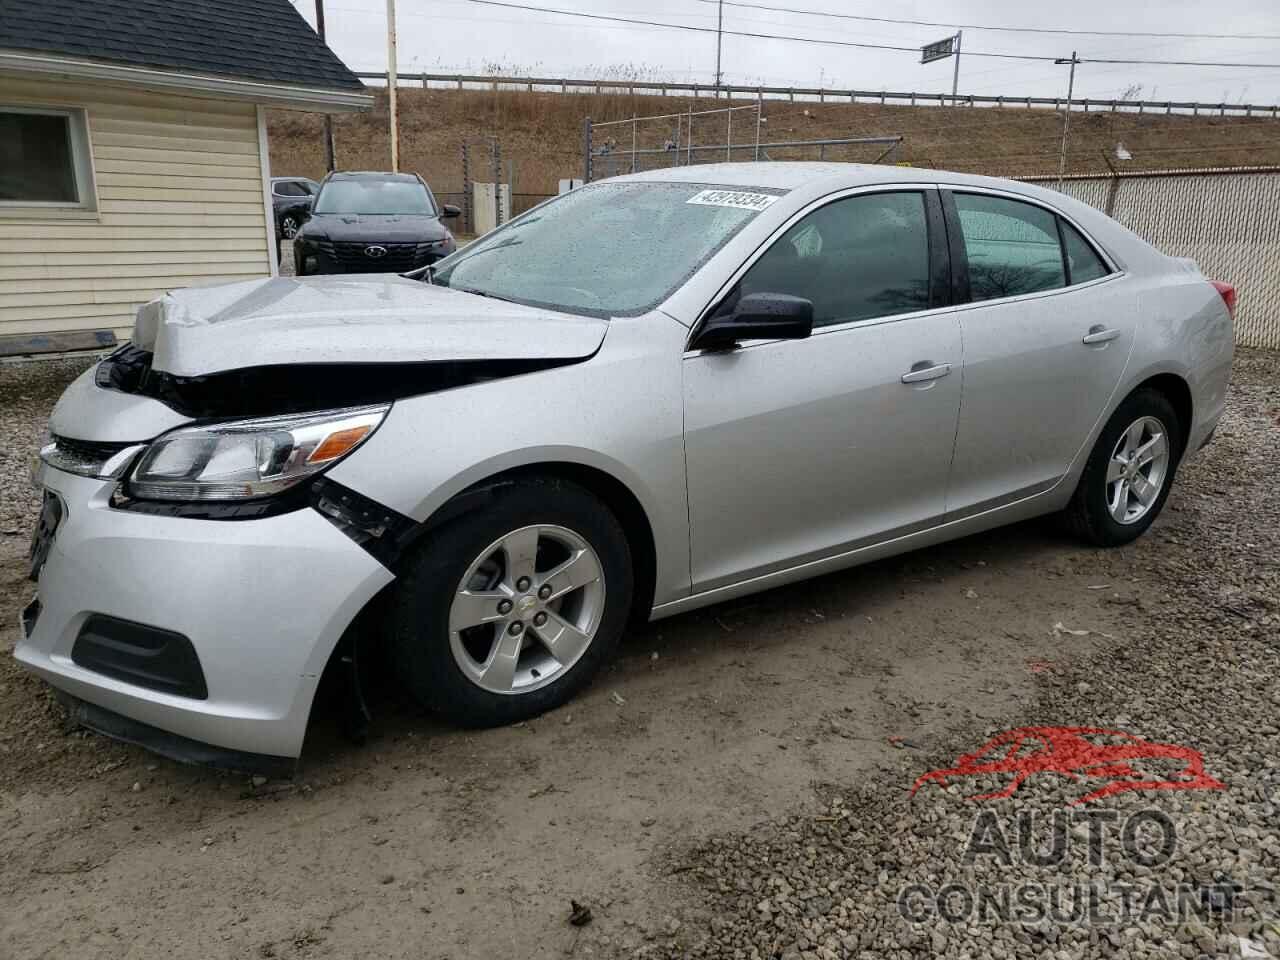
350,256
87,450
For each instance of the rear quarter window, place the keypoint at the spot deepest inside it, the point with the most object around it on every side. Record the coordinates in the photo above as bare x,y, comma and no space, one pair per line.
1083,261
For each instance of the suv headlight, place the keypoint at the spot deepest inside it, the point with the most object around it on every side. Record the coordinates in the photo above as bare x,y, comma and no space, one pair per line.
249,458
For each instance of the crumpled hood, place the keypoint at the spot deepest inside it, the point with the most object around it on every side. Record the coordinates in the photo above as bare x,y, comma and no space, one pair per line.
380,319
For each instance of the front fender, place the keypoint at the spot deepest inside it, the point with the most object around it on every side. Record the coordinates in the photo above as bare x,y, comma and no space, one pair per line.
619,413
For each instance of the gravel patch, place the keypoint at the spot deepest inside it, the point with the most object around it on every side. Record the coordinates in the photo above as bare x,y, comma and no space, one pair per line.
1195,666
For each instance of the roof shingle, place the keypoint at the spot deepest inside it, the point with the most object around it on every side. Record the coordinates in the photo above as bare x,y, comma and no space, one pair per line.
263,40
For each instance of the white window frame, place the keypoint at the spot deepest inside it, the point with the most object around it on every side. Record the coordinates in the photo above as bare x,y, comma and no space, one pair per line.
81,158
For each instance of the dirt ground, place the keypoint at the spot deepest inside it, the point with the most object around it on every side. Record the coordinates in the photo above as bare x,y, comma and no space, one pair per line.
430,842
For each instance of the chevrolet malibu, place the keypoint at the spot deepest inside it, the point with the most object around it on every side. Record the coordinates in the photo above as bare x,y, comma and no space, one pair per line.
655,393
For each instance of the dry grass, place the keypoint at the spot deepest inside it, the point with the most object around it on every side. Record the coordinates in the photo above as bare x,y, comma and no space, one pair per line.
540,135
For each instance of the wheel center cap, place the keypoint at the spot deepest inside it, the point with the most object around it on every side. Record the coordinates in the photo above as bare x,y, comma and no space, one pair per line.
526,603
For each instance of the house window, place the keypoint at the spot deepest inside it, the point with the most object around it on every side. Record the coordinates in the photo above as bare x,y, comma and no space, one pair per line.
44,159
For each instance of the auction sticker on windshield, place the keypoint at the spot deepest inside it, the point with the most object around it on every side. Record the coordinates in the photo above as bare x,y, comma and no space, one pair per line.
732,198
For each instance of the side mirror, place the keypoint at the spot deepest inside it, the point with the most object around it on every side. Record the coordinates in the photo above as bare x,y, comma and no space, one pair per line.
759,316
448,211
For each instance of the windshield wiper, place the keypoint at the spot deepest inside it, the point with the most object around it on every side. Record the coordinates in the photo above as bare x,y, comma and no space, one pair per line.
501,245
481,293
418,273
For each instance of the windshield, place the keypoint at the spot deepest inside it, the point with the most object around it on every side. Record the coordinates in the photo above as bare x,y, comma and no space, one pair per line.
407,197
610,249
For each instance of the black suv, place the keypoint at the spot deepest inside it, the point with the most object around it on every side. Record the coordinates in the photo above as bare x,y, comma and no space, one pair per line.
373,223
291,198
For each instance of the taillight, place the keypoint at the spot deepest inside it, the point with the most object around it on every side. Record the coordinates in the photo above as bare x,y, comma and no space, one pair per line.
1228,294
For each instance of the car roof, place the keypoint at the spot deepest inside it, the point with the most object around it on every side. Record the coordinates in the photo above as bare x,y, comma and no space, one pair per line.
790,175
807,181
374,174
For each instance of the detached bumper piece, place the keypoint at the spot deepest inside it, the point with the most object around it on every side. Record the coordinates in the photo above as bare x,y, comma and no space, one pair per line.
144,656
181,749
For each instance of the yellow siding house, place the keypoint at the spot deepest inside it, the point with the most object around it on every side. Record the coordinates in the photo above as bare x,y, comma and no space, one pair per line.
133,153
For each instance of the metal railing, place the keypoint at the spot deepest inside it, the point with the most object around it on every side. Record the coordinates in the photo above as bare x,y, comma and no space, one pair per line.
820,94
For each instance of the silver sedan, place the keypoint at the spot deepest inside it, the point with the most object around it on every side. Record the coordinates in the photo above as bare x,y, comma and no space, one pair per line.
653,394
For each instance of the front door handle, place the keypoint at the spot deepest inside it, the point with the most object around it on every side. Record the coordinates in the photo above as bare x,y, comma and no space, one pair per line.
926,370
1099,334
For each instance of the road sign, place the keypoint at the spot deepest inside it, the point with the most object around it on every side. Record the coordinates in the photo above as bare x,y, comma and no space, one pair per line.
938,51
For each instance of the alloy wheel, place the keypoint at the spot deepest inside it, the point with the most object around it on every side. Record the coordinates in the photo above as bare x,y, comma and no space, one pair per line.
289,227
527,609
1137,470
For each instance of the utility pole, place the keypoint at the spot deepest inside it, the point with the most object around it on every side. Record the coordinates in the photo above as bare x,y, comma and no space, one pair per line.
1066,117
391,85
955,76
330,162
719,44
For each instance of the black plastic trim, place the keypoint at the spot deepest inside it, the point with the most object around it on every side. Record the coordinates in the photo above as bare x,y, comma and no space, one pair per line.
940,280
171,745
382,532
141,655
1062,251
960,290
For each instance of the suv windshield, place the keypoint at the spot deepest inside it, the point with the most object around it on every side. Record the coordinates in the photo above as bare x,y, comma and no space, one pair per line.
609,249
373,196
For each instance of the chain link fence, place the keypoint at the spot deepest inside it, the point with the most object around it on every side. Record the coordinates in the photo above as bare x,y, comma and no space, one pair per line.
720,134
1227,220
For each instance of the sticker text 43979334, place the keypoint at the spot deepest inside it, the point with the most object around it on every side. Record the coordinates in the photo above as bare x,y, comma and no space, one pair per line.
732,198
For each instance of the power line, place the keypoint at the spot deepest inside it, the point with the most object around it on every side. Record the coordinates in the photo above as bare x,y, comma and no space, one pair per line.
848,43
736,33
979,26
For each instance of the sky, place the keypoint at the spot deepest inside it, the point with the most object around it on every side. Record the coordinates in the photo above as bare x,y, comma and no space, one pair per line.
453,36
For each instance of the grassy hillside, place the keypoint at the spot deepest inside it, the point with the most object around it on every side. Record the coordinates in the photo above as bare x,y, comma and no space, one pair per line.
541,135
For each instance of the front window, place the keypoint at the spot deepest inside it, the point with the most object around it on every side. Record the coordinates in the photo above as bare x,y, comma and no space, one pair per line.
609,249
289,188
857,258
376,197
44,159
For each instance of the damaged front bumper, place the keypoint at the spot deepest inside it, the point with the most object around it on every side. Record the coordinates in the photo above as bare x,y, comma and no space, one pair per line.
131,606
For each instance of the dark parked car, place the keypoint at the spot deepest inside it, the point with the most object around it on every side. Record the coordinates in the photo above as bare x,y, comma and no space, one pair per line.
291,199
373,223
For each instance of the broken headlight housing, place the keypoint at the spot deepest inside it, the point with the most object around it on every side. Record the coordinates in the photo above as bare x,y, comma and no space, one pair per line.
248,459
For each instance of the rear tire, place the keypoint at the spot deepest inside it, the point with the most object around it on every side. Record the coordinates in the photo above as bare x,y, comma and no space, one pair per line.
558,607
1130,471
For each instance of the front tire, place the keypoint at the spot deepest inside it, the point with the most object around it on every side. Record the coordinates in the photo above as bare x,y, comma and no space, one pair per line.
1127,478
507,612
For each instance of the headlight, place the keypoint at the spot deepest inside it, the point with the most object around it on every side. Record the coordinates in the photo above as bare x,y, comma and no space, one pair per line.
249,458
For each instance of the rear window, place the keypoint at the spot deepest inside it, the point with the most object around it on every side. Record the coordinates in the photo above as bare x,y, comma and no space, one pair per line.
1012,246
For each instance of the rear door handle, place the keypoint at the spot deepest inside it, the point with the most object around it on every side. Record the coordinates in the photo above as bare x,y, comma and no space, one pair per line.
926,370
1099,334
